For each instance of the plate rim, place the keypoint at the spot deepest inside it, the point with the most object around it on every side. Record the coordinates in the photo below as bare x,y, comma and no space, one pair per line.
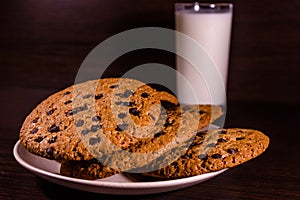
119,185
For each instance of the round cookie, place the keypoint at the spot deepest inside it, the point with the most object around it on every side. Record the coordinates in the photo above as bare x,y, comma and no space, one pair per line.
60,127
213,150
86,169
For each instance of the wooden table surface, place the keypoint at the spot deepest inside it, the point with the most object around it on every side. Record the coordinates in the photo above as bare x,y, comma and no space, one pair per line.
273,175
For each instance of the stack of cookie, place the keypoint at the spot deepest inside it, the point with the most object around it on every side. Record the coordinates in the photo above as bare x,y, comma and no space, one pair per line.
103,127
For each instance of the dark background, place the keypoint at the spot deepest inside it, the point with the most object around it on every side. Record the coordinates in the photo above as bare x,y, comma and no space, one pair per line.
42,45
44,42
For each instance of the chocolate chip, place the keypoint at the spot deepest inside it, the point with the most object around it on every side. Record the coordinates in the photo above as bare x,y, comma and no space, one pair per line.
50,112
203,156
193,144
185,156
124,103
84,132
93,141
222,132
35,120
158,134
126,94
201,133
50,151
52,140
201,112
167,124
128,104
216,156
121,127
152,117
119,103
122,115
69,113
211,145
38,139
145,94
66,93
232,151
175,164
134,111
68,102
87,96
76,110
167,104
114,86
221,140
79,123
53,129
96,118
240,138
95,128
81,108
99,96
34,130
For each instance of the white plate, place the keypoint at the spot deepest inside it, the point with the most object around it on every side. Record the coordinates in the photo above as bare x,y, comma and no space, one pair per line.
117,184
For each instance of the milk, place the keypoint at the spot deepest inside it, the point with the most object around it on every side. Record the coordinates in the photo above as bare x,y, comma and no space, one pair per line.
212,30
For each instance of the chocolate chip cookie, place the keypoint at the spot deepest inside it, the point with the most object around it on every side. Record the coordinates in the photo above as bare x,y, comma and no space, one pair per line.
67,123
213,150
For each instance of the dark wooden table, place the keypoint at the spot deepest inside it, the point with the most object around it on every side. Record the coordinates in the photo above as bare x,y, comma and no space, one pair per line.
273,175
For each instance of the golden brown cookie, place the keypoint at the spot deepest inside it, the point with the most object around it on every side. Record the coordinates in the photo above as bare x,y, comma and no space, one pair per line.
67,123
212,151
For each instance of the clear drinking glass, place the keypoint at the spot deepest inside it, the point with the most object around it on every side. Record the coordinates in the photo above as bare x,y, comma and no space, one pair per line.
210,26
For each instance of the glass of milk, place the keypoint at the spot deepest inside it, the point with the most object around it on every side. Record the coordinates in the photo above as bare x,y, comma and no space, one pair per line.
209,25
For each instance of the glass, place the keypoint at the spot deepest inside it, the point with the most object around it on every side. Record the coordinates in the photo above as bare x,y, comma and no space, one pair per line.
210,26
